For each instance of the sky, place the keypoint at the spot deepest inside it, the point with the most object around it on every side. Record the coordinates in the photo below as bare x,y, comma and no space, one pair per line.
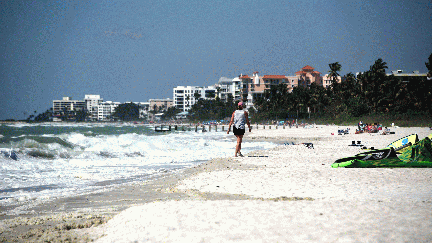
141,50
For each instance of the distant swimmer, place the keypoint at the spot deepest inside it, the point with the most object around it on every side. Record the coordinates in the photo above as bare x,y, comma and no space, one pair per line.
239,118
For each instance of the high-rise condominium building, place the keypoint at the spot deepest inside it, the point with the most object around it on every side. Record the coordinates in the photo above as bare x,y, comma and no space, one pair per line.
92,102
185,97
106,109
67,104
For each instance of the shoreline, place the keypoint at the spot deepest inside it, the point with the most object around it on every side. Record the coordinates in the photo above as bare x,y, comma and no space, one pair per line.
61,217
253,181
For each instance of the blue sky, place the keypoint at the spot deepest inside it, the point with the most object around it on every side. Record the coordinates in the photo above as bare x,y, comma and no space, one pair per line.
139,50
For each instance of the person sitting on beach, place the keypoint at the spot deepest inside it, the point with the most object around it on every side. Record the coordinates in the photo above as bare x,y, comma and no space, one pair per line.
360,126
386,131
239,118
373,129
366,127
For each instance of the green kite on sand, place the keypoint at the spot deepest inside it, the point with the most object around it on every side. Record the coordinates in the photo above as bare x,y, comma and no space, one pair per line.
404,152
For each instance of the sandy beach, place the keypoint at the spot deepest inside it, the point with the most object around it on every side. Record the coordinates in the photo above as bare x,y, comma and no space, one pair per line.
286,194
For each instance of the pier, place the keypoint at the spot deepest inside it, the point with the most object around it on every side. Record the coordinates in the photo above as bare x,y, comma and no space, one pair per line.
211,128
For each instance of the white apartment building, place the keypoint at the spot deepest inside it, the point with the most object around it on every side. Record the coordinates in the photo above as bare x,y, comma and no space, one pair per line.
224,87
240,88
252,87
98,110
327,80
239,85
237,88
229,86
67,104
106,109
144,108
92,102
405,77
184,96
208,92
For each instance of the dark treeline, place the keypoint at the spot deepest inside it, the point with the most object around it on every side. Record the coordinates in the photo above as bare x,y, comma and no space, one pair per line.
212,109
127,112
369,93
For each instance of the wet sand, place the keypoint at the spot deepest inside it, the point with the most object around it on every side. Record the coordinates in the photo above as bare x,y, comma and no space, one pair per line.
287,194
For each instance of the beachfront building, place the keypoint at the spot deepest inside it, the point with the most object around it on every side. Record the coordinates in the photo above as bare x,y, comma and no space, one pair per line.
224,88
405,77
292,81
160,104
92,103
327,80
106,109
237,88
66,108
254,87
306,76
208,92
184,97
272,80
250,88
229,88
144,108
67,104
247,88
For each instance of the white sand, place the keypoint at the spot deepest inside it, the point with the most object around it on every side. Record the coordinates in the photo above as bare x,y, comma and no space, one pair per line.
350,205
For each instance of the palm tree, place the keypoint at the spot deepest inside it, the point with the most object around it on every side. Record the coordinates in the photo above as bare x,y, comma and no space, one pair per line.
187,101
334,69
377,83
379,67
155,109
429,67
197,96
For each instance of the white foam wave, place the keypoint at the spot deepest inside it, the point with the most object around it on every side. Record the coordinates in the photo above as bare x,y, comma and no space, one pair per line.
115,158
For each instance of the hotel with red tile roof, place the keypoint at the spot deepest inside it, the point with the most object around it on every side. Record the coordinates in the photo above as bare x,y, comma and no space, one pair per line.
247,88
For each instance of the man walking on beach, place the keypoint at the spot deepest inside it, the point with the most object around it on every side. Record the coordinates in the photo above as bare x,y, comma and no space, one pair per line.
239,118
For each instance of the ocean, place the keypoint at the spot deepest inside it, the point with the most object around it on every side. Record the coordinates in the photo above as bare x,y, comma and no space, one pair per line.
55,160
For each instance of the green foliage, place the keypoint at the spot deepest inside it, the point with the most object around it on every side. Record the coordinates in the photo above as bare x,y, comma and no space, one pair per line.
81,115
170,113
212,109
197,95
210,95
127,112
272,104
334,69
371,92
44,117
429,63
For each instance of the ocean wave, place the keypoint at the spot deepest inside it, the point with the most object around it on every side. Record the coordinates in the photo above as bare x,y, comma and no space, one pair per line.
30,141
77,158
41,154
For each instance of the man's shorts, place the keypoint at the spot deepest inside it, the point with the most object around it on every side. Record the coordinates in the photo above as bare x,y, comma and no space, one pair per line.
238,131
